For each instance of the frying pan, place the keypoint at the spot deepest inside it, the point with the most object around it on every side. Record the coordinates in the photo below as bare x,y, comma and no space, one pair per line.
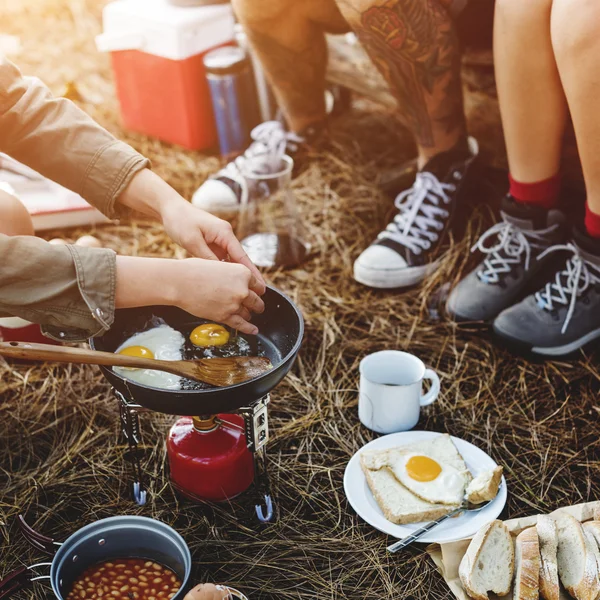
281,329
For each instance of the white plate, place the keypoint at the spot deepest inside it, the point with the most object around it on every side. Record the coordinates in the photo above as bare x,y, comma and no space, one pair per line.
466,525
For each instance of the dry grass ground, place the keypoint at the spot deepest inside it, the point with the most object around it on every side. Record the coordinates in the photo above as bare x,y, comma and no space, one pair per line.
61,454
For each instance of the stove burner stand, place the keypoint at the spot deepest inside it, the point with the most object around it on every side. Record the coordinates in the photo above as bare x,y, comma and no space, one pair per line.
256,425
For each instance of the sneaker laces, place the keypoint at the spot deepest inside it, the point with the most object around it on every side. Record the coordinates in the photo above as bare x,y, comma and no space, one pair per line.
513,242
569,284
421,210
269,145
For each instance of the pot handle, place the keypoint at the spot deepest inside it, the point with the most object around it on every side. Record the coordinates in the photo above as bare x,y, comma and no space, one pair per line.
37,540
19,579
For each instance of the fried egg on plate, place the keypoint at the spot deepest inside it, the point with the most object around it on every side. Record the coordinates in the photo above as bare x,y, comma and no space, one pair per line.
428,478
162,343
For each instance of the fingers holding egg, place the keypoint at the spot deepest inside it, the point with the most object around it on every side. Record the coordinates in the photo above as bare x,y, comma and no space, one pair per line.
238,323
254,303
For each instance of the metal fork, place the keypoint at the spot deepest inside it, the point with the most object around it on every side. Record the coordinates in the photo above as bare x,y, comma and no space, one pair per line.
466,506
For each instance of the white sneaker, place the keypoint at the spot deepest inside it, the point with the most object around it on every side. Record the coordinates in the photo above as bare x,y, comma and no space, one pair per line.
227,190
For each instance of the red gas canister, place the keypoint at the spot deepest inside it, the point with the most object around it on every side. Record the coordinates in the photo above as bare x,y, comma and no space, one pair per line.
157,54
209,458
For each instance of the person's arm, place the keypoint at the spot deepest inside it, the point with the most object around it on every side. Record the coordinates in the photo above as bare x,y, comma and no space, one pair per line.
73,291
60,141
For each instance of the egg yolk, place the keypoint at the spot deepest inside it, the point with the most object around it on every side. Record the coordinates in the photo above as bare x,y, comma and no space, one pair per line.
137,351
422,468
209,334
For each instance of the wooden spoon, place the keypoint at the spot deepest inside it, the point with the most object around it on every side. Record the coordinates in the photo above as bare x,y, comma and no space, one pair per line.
219,372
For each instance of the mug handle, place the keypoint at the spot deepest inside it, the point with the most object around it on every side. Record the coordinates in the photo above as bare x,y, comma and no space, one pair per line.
431,396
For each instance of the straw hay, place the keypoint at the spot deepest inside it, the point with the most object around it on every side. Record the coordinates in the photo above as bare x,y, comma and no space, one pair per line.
61,455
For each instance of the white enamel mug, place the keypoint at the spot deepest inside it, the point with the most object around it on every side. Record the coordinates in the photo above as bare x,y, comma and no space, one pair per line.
391,390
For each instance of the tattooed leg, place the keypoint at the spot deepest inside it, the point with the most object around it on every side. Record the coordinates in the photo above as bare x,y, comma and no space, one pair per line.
288,37
414,45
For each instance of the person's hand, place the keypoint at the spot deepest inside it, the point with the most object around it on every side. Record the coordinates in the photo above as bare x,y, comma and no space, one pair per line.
224,292
203,235
207,591
219,291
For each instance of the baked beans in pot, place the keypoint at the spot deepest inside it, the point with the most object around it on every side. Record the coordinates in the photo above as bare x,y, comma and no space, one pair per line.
134,543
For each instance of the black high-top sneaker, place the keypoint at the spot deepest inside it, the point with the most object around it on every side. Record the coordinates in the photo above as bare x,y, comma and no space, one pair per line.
564,315
411,246
512,265
227,189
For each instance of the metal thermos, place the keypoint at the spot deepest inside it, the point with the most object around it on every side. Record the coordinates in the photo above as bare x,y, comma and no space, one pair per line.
231,83
266,101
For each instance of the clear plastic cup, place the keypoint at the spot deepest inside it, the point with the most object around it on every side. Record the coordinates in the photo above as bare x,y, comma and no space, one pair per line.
270,226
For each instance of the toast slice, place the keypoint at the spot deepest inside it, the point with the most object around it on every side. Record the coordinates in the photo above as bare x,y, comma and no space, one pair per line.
577,558
399,504
548,540
527,565
485,486
489,562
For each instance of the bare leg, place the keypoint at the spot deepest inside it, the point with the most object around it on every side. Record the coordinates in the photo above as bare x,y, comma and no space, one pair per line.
532,102
577,49
288,37
414,45
14,218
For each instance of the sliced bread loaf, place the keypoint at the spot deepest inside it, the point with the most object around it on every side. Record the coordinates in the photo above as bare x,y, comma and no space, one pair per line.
577,562
594,528
489,562
527,565
548,540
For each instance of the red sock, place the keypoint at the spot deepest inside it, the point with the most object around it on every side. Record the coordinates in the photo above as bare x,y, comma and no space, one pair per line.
539,193
592,222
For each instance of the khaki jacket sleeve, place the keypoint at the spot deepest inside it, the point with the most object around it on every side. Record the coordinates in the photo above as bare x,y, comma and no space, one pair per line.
60,141
70,290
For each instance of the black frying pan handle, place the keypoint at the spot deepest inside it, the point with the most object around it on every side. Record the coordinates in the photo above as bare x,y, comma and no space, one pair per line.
14,582
37,540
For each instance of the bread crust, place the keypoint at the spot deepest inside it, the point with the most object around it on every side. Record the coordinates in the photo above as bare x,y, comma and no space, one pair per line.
528,576
594,528
469,560
548,541
588,587
435,512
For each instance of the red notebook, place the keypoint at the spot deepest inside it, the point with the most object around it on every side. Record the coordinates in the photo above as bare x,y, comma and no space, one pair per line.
50,205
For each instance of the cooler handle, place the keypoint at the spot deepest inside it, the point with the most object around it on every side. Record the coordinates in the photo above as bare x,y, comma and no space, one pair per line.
112,42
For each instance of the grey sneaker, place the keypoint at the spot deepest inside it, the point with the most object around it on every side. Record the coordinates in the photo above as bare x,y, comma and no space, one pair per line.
511,265
564,315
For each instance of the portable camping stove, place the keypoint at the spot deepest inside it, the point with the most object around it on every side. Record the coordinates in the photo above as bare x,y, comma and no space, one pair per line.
255,430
